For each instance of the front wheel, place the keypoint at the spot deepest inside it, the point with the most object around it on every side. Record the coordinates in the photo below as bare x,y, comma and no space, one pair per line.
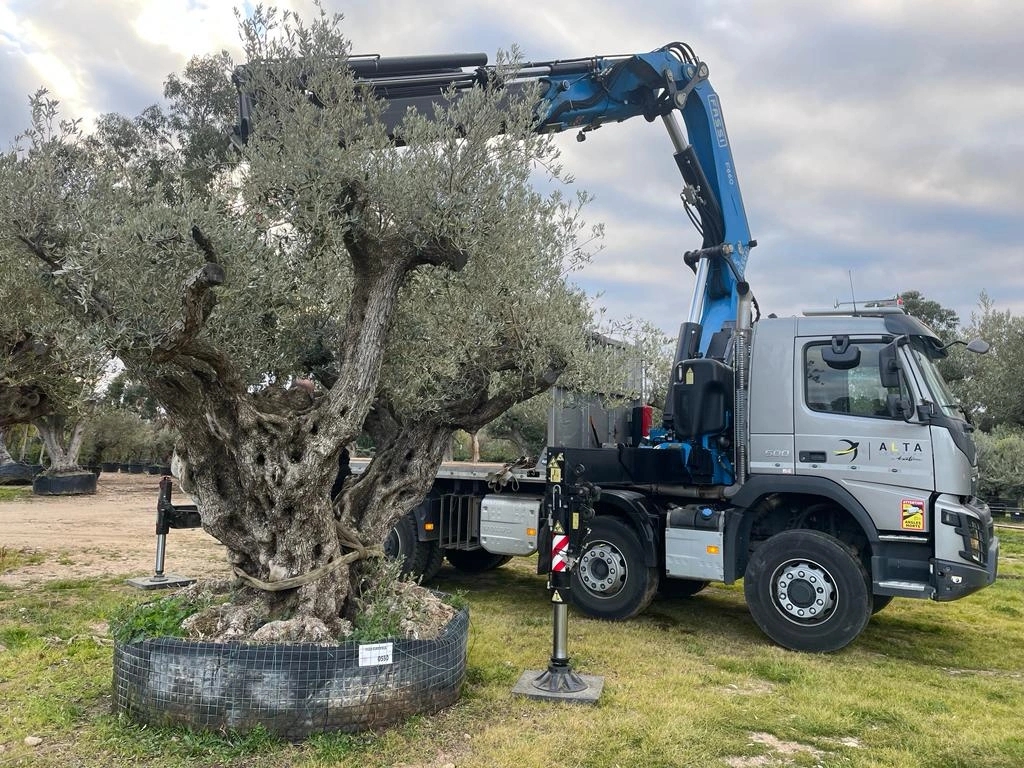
611,580
807,591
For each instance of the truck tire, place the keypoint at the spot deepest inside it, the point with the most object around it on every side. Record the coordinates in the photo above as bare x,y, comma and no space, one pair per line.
680,588
879,603
422,559
611,580
435,559
808,591
475,560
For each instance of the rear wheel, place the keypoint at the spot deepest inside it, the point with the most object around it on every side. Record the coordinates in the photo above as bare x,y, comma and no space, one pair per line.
670,587
808,591
611,580
475,560
422,559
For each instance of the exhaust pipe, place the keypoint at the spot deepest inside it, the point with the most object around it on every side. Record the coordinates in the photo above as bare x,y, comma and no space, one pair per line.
741,351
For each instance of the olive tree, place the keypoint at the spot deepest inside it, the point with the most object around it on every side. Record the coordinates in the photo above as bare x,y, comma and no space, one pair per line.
424,288
1001,461
49,367
991,388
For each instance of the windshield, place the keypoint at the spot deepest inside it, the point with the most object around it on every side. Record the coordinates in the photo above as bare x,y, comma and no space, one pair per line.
926,353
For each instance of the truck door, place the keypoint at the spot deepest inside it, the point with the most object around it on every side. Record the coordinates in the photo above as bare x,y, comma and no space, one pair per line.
846,430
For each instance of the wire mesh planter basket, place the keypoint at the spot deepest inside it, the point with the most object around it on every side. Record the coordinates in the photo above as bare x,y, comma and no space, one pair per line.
291,690
72,484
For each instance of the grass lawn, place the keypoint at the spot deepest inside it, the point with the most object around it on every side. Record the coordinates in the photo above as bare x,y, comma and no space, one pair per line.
690,683
15,492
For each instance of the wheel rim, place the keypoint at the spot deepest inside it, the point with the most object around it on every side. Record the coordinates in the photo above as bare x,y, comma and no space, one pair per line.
603,570
804,592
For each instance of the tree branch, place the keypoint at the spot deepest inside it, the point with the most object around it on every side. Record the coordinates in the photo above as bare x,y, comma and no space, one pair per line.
472,417
98,307
441,251
197,301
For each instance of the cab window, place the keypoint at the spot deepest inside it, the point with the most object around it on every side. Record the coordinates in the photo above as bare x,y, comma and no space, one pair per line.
857,391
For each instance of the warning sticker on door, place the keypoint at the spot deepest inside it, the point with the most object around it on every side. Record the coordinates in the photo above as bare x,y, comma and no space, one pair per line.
912,515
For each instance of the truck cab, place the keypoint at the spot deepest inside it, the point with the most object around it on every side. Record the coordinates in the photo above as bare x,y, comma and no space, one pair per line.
854,433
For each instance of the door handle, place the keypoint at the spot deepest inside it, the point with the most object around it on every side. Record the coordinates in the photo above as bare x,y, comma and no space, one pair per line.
816,457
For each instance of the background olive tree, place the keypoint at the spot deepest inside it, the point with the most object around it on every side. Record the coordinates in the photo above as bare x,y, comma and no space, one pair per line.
424,288
50,367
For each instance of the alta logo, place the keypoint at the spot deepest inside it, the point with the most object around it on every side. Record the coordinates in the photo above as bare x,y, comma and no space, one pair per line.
850,450
903,450
901,447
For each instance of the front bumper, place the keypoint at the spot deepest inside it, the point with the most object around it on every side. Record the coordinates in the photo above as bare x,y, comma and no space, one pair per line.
967,549
953,580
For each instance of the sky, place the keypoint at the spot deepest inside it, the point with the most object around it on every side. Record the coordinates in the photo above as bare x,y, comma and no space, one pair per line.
879,144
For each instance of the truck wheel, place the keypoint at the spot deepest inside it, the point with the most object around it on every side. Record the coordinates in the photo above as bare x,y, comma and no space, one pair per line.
679,588
434,558
475,560
879,602
611,580
807,591
419,558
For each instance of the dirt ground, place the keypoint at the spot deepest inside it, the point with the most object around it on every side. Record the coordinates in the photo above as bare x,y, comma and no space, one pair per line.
110,533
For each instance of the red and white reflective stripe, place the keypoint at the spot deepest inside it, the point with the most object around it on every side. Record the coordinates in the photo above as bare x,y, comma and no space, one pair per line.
559,543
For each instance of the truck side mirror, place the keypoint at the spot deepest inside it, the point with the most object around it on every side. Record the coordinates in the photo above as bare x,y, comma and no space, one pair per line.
978,346
841,355
888,366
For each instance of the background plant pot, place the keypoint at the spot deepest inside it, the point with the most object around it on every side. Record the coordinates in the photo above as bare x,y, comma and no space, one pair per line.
110,466
71,484
290,690
16,474
137,468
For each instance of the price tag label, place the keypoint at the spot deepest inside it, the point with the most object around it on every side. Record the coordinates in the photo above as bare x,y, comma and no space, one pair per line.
376,654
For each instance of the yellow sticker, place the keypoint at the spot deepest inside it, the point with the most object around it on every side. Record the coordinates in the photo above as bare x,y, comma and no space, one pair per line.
558,528
912,515
575,521
556,597
554,473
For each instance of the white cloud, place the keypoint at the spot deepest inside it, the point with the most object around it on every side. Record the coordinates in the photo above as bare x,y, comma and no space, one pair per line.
186,27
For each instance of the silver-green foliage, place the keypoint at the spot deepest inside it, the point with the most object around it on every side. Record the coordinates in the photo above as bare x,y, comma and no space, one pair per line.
425,286
992,386
1001,463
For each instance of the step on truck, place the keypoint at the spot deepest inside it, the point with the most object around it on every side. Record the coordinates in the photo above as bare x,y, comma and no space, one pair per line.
821,459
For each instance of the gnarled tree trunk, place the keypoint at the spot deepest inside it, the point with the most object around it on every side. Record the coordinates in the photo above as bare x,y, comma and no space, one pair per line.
62,446
5,454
